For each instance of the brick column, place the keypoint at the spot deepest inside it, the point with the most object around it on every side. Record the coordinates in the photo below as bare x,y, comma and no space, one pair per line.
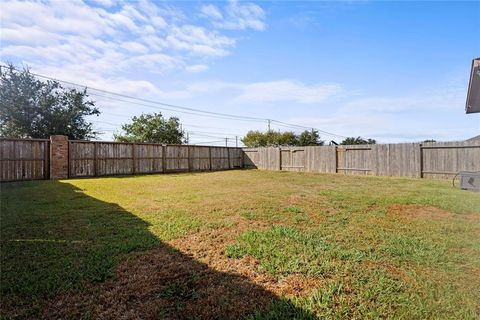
58,157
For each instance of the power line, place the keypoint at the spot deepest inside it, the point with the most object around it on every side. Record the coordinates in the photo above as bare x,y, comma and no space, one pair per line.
164,108
207,132
185,124
105,122
294,126
183,109
193,133
269,121
117,114
208,142
206,135
204,127
219,136
144,100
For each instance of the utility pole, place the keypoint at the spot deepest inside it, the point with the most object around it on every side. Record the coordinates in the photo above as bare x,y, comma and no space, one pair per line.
236,141
226,142
188,138
268,124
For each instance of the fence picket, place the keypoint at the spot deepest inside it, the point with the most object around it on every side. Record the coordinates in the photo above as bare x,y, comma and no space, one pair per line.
29,159
437,160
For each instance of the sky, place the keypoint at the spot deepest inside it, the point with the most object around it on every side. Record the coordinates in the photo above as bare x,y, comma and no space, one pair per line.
392,71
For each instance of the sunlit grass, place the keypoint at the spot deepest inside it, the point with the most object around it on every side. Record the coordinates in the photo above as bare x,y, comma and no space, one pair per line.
382,247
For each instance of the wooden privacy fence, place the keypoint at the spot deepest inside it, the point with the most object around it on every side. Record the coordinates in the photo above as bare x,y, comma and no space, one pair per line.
91,158
24,159
432,160
58,158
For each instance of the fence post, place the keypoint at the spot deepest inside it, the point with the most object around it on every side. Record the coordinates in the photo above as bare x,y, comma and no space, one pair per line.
1,162
341,162
133,159
59,157
46,163
279,157
210,158
164,158
95,159
420,152
336,159
189,158
242,153
228,154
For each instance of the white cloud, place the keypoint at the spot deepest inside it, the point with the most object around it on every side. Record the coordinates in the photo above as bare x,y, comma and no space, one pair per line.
412,117
288,91
211,11
258,93
430,100
134,47
76,39
196,68
199,41
155,63
31,35
104,3
158,22
236,16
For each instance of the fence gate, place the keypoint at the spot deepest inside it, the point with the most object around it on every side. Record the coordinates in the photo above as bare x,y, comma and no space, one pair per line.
354,159
292,159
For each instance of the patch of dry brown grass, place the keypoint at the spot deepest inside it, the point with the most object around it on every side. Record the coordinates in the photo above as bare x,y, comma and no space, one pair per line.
369,224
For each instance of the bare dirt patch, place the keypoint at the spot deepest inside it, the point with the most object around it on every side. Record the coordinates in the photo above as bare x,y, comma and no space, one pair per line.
416,211
208,247
164,283
189,276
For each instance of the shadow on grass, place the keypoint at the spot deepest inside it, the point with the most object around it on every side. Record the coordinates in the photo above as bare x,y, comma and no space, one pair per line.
67,255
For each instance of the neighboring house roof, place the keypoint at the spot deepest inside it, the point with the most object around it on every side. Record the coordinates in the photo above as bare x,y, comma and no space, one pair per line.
473,95
474,138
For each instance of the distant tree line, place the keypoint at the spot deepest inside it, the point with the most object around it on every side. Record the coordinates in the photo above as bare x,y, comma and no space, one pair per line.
273,138
254,139
357,140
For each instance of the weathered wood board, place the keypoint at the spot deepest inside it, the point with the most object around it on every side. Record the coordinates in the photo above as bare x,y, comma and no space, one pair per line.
24,159
88,159
430,160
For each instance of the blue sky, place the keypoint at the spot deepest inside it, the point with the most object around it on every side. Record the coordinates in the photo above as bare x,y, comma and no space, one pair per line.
393,71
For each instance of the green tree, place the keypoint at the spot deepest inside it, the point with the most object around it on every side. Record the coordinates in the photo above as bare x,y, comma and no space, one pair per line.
287,138
30,108
254,139
271,138
357,140
152,128
310,138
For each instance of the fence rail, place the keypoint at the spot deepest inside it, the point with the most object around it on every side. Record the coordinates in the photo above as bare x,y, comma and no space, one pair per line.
91,158
427,160
30,159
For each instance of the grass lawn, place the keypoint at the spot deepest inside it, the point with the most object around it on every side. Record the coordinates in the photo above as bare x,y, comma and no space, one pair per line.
240,244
